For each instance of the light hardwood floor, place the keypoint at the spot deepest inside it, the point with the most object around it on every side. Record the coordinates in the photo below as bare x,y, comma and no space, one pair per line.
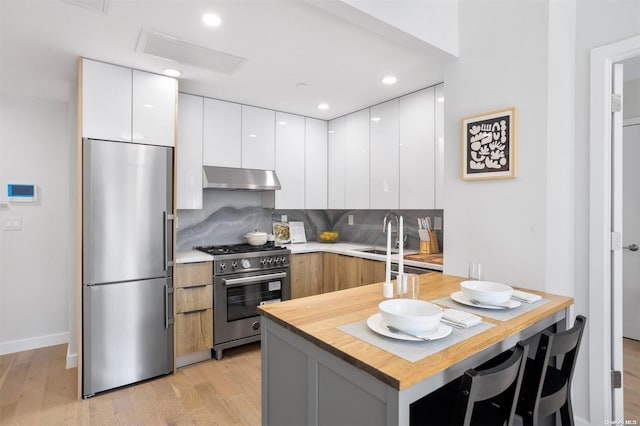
36,389
631,361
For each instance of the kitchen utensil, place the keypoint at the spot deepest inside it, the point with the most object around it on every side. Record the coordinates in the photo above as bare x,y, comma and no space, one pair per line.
459,297
376,324
395,330
256,238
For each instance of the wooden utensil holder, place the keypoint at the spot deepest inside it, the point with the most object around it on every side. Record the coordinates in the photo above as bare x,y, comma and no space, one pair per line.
431,246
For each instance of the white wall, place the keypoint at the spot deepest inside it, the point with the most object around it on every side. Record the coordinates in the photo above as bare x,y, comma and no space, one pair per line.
502,63
37,263
518,228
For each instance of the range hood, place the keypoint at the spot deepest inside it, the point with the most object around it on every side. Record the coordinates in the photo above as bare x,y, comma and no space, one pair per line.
232,178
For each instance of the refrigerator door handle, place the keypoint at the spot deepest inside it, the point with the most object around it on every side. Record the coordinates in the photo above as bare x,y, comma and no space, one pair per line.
168,260
168,320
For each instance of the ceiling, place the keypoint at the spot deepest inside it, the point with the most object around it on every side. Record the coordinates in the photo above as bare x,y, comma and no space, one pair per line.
285,43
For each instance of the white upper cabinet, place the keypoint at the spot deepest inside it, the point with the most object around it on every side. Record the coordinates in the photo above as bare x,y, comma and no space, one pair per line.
127,105
357,157
290,160
222,134
336,164
384,140
189,157
417,154
258,138
154,108
106,101
315,193
439,141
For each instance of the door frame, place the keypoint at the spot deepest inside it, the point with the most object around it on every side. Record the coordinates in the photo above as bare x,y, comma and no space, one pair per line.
600,178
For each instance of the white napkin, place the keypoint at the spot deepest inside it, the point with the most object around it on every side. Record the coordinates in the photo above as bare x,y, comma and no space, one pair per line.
461,318
525,297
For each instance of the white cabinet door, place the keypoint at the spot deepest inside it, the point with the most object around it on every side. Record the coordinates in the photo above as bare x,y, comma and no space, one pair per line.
189,152
315,193
258,138
357,157
384,140
290,150
336,166
222,134
154,108
439,141
106,101
417,171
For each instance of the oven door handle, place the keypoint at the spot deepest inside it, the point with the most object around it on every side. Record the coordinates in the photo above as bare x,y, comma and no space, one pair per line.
248,280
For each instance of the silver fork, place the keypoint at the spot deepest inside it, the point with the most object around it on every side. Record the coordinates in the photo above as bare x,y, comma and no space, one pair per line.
395,330
475,302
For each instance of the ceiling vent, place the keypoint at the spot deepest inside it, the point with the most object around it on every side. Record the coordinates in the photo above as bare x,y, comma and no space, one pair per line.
95,5
169,47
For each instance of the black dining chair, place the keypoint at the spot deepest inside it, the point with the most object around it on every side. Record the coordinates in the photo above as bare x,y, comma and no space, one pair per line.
472,396
546,388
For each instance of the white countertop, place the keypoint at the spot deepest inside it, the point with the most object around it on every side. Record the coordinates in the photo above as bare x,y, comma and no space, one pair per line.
192,256
349,249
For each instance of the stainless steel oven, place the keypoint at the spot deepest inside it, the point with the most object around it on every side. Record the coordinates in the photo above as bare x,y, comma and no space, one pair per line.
242,281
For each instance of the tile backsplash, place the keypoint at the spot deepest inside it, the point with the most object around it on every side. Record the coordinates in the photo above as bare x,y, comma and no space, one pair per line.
228,224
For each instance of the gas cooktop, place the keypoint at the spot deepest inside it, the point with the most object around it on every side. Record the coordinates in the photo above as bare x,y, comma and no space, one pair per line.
239,249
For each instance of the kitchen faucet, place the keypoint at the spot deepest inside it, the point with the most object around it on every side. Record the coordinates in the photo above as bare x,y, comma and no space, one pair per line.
390,216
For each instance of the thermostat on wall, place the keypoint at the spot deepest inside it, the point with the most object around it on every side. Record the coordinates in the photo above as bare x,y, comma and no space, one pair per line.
21,192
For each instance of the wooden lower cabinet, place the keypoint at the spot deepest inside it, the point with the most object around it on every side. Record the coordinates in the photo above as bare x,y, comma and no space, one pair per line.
371,271
193,303
306,274
194,331
341,272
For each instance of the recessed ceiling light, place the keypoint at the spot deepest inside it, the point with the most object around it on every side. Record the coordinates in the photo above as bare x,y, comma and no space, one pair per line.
389,80
282,123
376,119
323,106
211,19
441,99
252,135
332,131
147,106
172,72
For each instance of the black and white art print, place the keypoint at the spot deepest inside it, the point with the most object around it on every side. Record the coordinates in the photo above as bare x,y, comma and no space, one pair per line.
489,145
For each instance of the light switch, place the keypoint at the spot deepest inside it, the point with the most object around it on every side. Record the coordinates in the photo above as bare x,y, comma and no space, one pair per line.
437,223
350,219
12,223
283,218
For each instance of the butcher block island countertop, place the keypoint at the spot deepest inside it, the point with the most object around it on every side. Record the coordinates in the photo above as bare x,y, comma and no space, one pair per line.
316,319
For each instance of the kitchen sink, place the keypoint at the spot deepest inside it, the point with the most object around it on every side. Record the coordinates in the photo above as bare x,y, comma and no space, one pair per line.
377,251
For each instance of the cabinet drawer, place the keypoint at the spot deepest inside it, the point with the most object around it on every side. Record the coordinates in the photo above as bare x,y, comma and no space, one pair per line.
193,298
194,332
190,274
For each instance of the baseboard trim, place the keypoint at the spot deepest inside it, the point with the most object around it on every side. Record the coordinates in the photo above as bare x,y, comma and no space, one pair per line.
20,345
72,359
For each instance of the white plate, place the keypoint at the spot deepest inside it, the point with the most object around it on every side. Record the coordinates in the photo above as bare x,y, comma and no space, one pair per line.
376,324
459,297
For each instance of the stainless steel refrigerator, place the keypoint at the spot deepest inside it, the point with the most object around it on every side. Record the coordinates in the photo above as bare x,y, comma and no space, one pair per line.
127,263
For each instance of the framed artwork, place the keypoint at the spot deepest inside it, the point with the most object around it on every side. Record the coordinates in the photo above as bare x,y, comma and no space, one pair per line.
489,146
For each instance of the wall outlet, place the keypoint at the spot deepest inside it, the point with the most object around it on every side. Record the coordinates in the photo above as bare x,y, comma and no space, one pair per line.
12,223
437,223
283,218
350,219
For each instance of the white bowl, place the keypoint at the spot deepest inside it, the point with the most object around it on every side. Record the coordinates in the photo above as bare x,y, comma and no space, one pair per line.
411,315
487,292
